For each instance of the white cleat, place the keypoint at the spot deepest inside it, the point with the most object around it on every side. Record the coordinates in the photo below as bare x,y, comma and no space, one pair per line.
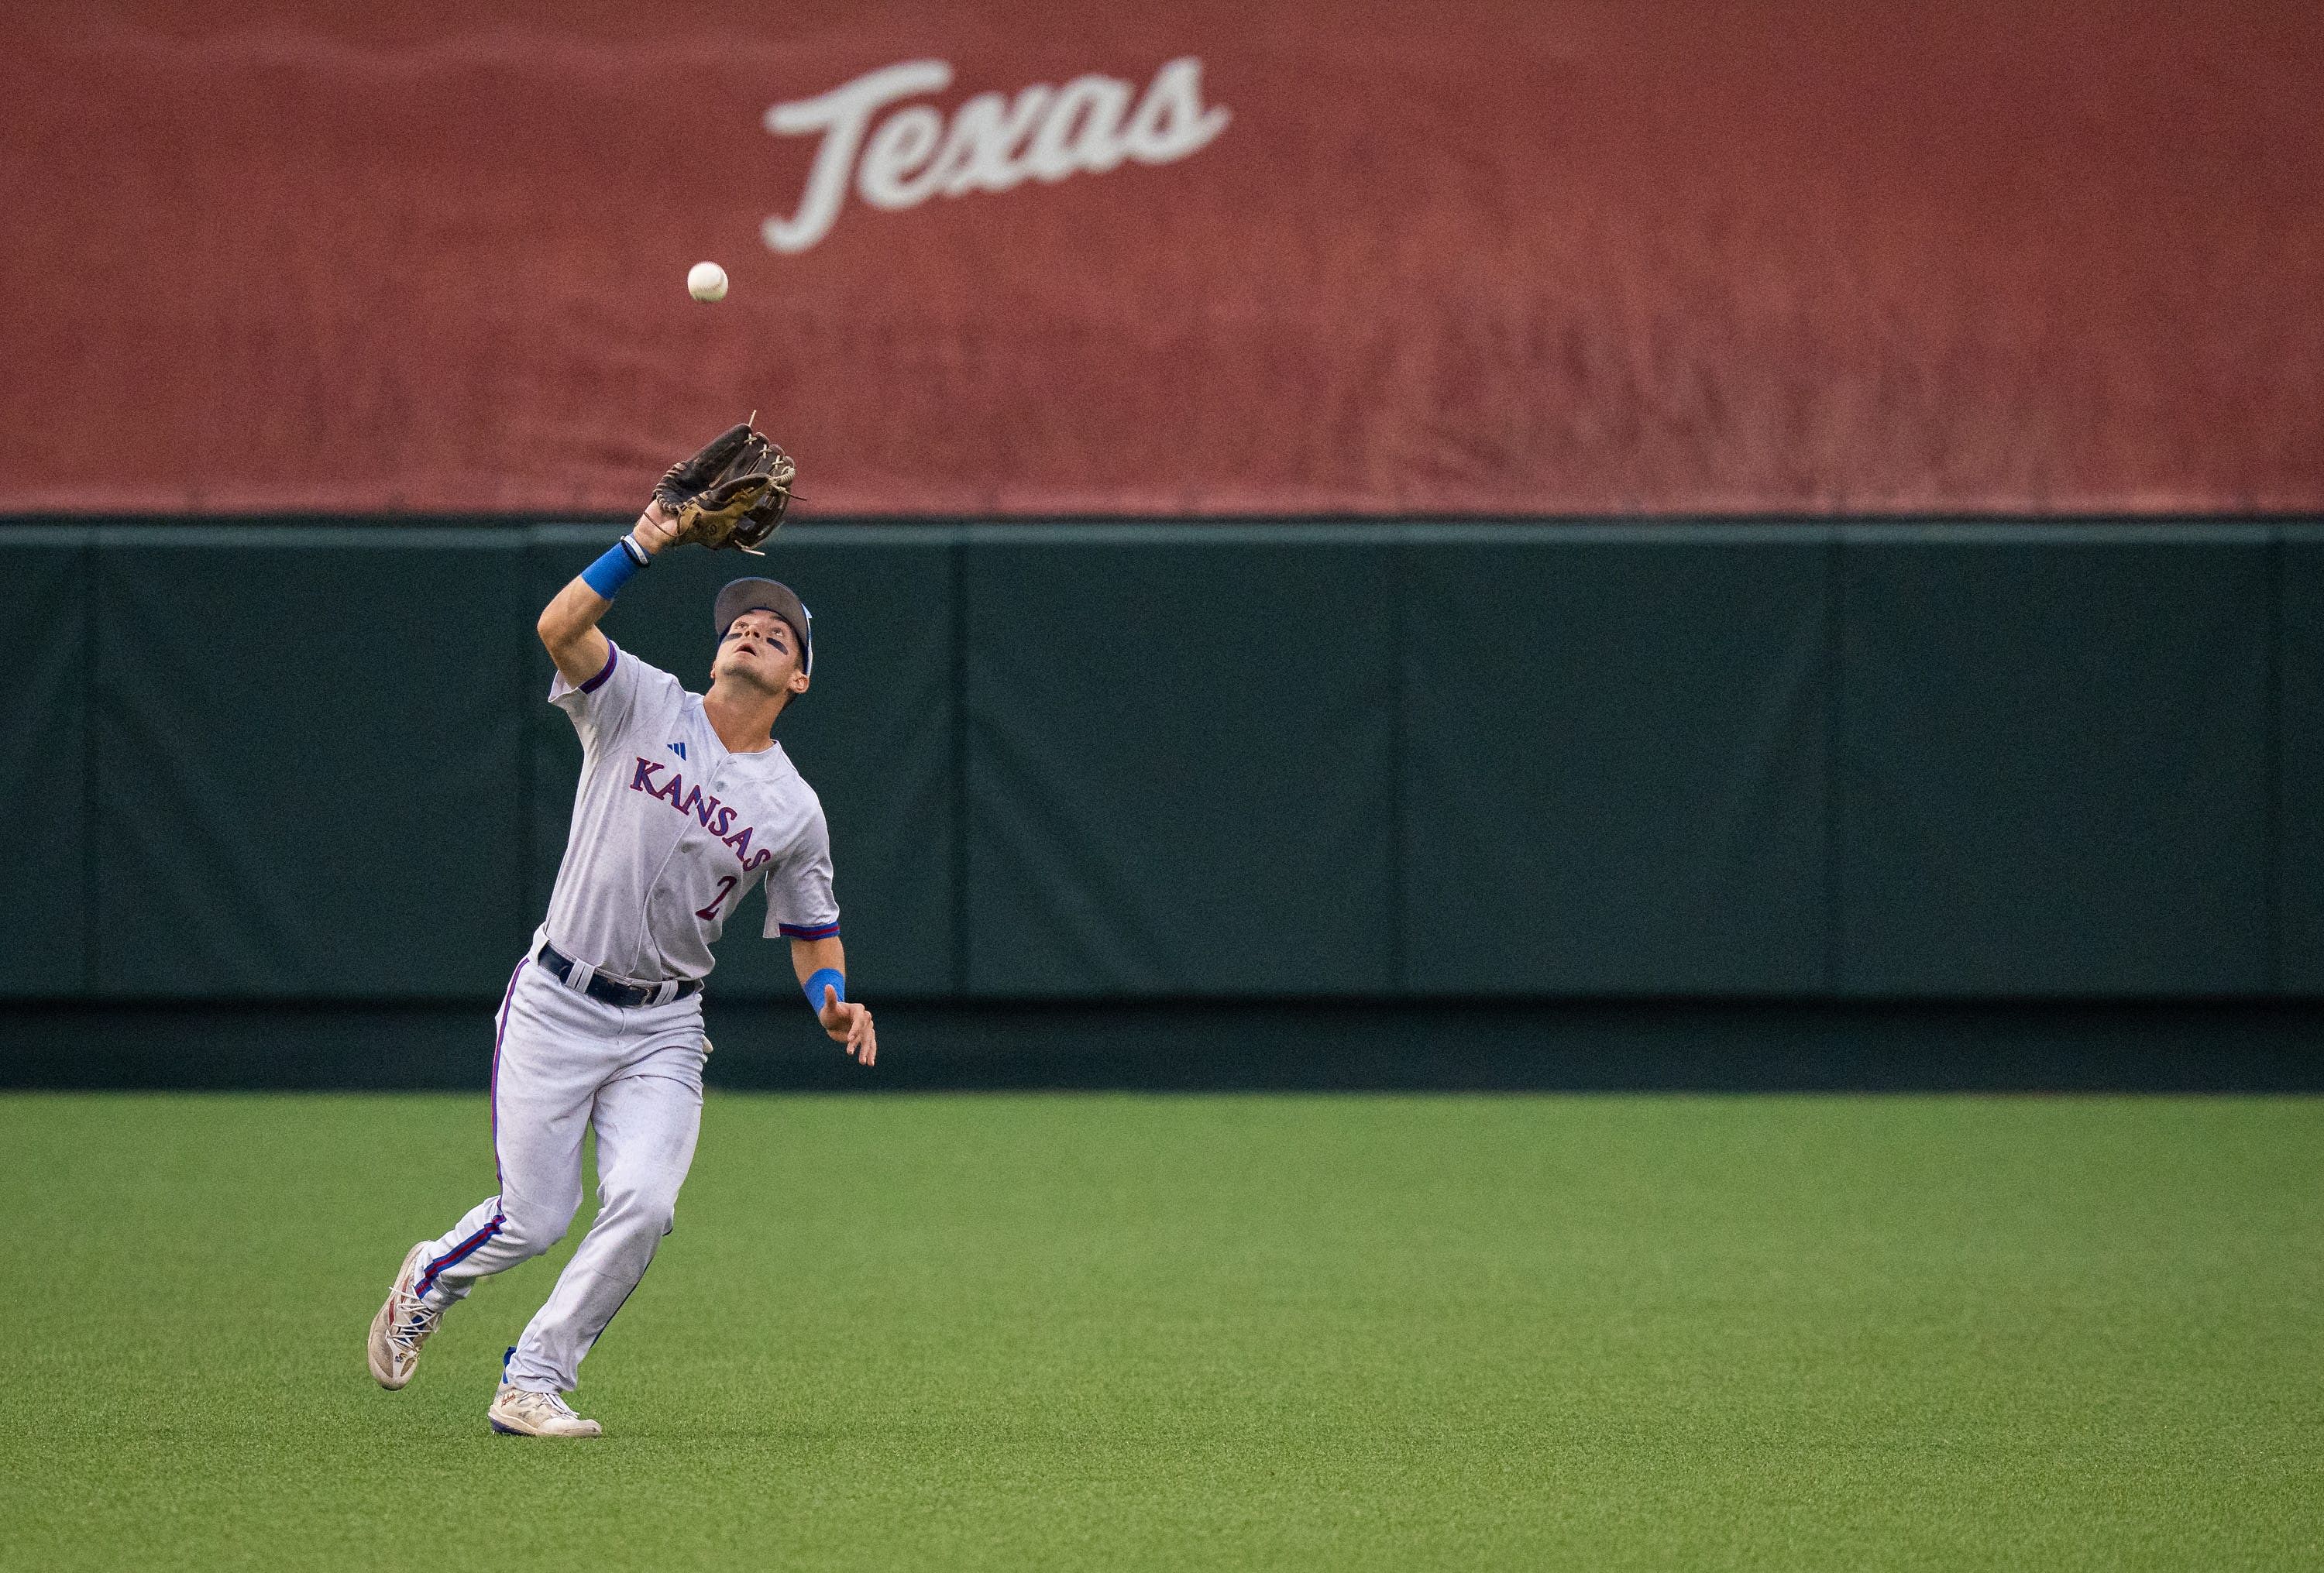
402,1324
518,1411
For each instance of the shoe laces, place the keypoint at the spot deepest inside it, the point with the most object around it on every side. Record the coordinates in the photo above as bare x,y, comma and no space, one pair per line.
554,1402
413,1321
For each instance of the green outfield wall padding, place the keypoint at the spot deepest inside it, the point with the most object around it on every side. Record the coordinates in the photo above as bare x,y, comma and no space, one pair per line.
2300,799
875,738
314,761
45,832
308,763
1615,762
1179,762
2054,747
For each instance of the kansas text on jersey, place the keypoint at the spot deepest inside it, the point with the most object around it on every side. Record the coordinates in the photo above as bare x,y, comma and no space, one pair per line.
671,831
717,817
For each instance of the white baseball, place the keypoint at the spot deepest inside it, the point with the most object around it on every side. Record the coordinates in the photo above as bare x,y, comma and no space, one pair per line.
707,281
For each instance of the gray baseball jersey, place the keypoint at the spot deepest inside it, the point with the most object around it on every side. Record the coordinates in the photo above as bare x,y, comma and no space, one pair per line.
670,831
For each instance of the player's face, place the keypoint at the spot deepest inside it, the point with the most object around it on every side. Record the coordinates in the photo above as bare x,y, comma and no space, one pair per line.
759,649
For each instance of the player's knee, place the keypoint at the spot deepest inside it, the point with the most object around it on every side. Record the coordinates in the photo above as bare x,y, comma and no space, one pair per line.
534,1230
658,1214
647,1208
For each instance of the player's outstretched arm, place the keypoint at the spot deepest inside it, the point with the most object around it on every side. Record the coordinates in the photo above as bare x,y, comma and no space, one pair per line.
822,969
569,626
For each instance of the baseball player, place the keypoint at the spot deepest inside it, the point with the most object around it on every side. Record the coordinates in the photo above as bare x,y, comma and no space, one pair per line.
686,803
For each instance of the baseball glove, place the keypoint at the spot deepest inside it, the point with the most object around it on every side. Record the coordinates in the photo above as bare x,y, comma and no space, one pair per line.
731,493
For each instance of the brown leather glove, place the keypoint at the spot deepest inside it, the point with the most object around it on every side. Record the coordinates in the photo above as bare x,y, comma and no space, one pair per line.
731,493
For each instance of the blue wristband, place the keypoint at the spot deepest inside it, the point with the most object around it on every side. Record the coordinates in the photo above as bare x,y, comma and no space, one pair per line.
831,975
616,568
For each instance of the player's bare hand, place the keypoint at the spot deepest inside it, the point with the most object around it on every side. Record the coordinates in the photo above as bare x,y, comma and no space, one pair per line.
654,528
851,1024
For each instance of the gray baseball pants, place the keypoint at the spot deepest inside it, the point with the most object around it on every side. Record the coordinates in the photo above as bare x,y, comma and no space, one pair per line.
565,1062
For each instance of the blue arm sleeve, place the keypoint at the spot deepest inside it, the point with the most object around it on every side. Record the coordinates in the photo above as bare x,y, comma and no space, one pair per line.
831,975
616,568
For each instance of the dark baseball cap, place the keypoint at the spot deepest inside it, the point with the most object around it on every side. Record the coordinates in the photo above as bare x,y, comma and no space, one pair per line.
765,595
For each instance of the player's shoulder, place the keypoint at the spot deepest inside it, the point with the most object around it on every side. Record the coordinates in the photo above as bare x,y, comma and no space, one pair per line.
648,692
644,673
778,766
624,673
782,775
617,687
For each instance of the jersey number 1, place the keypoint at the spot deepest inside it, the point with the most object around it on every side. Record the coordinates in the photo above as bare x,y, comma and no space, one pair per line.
727,883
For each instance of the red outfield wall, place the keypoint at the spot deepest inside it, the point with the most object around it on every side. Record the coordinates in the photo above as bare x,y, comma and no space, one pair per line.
1527,257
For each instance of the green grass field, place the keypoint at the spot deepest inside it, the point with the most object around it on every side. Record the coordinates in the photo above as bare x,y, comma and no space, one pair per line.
1099,1332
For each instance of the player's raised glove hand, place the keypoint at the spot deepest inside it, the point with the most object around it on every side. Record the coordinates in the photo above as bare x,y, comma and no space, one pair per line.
733,494
655,531
848,1023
